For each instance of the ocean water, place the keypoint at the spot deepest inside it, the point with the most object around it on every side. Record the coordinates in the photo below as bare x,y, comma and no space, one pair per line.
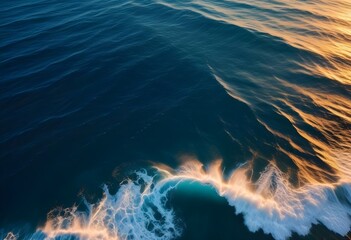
175,119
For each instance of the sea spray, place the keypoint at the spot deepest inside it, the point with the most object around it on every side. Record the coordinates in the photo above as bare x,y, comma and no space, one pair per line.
140,209
136,211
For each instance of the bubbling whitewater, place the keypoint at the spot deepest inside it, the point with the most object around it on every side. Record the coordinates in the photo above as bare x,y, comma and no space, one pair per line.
138,210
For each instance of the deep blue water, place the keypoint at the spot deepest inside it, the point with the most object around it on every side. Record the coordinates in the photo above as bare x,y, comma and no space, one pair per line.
91,91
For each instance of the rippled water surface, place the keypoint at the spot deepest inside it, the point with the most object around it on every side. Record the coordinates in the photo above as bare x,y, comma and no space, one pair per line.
188,119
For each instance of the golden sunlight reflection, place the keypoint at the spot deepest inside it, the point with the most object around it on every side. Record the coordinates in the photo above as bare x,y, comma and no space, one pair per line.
321,27
332,121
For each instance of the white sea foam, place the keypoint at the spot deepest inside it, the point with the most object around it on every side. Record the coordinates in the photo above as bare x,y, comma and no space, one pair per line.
138,210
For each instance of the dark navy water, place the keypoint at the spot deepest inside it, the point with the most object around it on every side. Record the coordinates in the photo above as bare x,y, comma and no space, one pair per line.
91,91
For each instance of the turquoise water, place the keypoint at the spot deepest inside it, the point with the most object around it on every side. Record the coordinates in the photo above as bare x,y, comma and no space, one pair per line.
231,119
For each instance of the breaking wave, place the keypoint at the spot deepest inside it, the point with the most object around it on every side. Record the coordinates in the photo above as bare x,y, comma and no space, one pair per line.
140,209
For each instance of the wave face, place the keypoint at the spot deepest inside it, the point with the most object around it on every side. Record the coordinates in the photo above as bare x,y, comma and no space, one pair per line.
98,87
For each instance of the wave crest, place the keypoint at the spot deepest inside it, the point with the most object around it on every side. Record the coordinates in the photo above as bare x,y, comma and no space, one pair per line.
140,210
